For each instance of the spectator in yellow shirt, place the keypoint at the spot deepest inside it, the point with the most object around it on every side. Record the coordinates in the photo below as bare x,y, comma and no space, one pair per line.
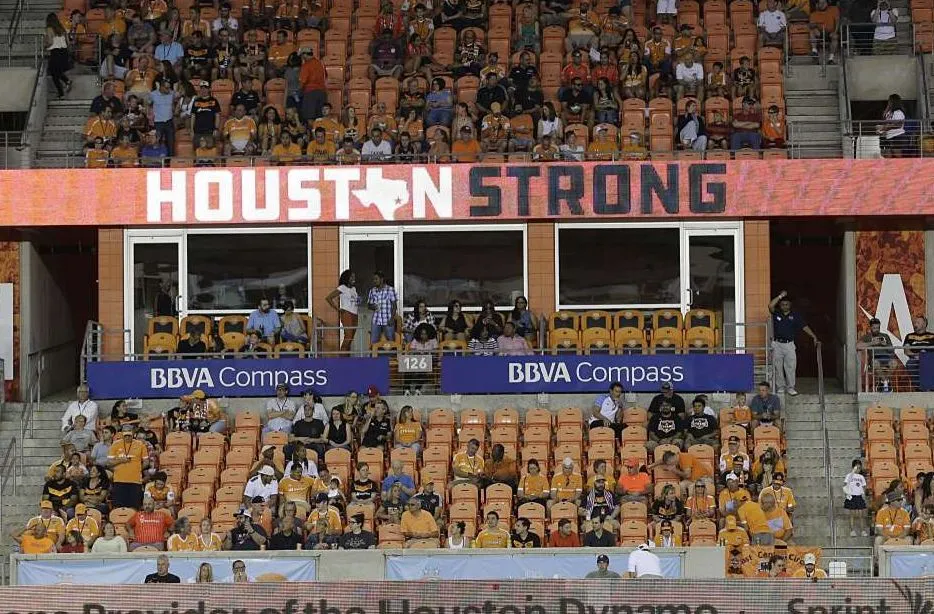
96,156
784,498
533,486
566,485
602,147
36,541
492,535
321,150
892,521
285,151
295,488
468,466
810,569
86,525
752,517
240,132
731,534
417,524
777,518
183,540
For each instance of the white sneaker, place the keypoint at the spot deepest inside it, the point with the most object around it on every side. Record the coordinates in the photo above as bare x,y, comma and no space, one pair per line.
865,533
792,392
853,533
779,391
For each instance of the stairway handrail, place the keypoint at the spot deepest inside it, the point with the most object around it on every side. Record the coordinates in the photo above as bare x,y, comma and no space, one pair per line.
827,463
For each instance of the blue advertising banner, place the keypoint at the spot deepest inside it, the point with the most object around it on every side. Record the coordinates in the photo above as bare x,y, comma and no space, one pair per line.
517,566
567,374
154,379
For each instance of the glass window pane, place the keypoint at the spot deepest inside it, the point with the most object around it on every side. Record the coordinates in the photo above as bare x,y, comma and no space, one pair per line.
235,271
155,285
619,266
470,266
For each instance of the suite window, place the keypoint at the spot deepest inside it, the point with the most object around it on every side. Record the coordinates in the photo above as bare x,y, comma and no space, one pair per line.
619,266
234,271
470,266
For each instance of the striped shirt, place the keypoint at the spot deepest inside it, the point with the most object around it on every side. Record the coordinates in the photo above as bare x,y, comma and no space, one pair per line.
483,348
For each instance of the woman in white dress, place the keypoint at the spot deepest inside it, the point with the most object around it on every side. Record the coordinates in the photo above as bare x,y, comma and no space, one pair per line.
345,301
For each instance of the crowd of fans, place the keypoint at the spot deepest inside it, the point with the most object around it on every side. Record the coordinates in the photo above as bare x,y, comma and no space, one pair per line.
357,477
448,80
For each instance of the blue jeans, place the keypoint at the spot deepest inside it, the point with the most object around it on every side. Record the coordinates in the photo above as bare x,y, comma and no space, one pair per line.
387,330
438,117
745,139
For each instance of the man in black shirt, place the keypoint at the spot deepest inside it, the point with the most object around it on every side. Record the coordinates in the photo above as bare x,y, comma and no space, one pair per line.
668,395
430,500
205,113
363,489
107,99
357,538
286,538
665,428
575,103
520,74
599,537
245,536
198,56
700,427
785,326
162,575
921,337
523,538
192,345
531,99
490,92
246,96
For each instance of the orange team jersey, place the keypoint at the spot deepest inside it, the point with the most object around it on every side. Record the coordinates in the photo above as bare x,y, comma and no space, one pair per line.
279,54
777,520
634,483
99,127
726,459
826,19
893,521
601,150
468,465
140,80
415,128
697,468
539,152
124,156
332,128
522,126
296,490
465,151
801,572
153,10
206,152
733,537
736,498
177,543
492,538
407,433
682,44
287,154
613,24
30,545
751,515
773,131
88,528
571,72
659,541
96,158
54,525
422,26
697,506
189,27
344,157
495,128
130,472
566,486
240,130
385,122
321,152
784,498
535,486
333,518
160,495
210,543
657,51
608,72
741,415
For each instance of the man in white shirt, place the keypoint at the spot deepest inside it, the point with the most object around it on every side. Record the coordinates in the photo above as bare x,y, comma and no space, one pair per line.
643,563
264,485
690,78
376,149
225,20
83,407
885,18
772,24
608,409
280,411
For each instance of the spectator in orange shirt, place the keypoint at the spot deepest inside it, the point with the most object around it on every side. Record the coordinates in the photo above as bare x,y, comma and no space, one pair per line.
823,26
583,28
240,132
495,129
545,150
314,89
148,527
564,537
613,26
101,126
602,147
892,521
658,53
97,155
389,19
124,154
700,504
575,70
634,484
279,52
466,148
773,128
605,69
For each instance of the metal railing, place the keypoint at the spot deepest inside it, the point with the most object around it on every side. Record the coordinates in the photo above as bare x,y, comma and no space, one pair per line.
2,385
15,19
859,561
34,46
827,459
890,369
92,345
859,39
924,110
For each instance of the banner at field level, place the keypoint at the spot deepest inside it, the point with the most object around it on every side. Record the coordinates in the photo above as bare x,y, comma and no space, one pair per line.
595,373
702,596
134,570
464,192
156,379
520,565
752,556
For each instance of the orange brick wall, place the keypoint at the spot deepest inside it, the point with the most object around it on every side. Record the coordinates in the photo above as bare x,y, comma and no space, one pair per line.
110,287
325,269
541,246
758,278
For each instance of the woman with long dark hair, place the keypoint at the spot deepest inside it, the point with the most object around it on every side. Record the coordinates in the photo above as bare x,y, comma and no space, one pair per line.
454,325
892,139
346,302
56,43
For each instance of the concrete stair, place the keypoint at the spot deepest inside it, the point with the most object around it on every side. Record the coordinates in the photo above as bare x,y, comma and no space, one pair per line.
806,475
813,110
27,46
61,144
39,449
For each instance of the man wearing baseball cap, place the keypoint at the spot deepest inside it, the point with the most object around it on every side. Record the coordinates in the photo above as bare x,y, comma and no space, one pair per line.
267,458
85,525
633,484
603,569
263,484
53,523
206,114
667,395
312,77
810,569
126,457
733,449
245,536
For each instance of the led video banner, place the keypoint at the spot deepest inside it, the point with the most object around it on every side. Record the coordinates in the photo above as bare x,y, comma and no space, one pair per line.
572,373
465,192
159,379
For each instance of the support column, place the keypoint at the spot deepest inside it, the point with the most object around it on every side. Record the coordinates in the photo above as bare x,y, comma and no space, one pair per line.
325,269
757,280
542,260
110,265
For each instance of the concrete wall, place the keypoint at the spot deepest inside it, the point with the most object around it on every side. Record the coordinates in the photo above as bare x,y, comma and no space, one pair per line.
16,92
875,77
47,318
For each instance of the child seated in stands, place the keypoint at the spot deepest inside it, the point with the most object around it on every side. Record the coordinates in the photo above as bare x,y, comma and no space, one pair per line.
744,79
